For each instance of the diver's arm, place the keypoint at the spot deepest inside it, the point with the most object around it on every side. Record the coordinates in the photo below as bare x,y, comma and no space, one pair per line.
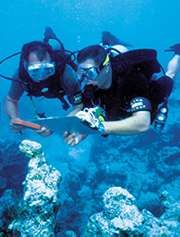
15,92
11,107
139,122
173,66
11,101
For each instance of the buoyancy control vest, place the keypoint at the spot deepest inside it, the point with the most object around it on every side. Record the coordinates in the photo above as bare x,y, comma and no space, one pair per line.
131,77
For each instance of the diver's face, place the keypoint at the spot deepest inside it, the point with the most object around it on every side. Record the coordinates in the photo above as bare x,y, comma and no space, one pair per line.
33,58
38,69
90,74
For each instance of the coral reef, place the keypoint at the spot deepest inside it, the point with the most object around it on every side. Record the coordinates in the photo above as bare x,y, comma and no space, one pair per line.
121,217
145,165
36,215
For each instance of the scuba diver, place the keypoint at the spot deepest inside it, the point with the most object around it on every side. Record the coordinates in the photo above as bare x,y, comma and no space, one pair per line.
125,88
45,69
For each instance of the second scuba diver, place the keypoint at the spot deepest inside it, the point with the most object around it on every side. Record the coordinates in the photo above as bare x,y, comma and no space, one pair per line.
125,87
43,71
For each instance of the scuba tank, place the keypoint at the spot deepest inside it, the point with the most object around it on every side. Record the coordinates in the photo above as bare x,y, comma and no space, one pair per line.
161,116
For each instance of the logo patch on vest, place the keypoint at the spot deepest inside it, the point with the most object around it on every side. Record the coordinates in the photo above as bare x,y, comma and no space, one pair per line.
77,99
140,103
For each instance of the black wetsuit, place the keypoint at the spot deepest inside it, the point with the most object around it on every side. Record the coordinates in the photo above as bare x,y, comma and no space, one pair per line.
132,90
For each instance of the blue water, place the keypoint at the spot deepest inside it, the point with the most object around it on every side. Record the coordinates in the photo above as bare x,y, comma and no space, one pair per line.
151,24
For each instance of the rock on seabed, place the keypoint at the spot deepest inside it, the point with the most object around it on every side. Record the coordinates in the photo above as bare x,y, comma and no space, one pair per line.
121,217
36,211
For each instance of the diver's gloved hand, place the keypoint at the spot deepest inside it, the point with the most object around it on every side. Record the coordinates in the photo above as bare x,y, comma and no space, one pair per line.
174,48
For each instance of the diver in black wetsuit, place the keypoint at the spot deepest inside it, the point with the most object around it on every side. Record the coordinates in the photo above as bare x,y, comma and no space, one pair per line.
124,87
44,71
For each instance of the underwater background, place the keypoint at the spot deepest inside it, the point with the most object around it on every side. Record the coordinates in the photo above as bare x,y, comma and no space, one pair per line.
145,164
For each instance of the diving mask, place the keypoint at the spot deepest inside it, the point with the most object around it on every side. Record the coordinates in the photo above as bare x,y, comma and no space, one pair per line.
87,76
88,73
41,71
